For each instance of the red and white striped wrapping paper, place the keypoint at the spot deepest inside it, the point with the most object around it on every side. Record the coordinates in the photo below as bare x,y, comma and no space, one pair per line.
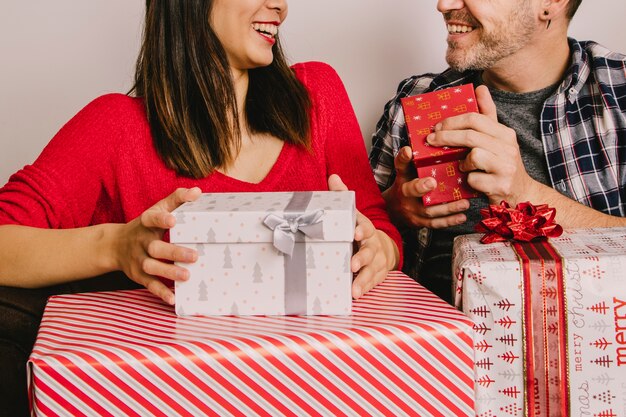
402,352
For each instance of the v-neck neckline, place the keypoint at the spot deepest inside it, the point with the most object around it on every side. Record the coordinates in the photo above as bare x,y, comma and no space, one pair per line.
275,171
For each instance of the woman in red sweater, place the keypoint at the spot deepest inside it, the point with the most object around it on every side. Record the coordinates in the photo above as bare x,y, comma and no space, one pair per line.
215,109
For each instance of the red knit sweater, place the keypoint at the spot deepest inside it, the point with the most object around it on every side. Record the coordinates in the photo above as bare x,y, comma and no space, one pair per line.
102,166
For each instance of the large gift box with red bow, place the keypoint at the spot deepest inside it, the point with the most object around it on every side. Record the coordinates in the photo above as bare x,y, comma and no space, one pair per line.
422,113
403,351
550,318
267,253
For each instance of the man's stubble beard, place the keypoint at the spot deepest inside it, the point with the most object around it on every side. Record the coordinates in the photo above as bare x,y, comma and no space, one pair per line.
507,38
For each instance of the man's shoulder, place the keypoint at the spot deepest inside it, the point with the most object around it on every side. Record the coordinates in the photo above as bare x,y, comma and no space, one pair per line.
416,84
596,50
427,82
590,56
607,67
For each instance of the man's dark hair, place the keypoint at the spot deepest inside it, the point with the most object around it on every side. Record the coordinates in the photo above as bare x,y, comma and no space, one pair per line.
572,7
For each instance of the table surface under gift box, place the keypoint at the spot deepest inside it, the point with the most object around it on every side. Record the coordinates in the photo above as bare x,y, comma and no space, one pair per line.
249,243
403,351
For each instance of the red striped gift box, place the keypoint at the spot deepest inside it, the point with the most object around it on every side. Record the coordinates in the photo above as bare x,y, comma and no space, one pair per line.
403,351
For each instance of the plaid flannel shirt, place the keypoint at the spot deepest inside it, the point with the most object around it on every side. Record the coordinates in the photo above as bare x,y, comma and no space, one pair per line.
583,128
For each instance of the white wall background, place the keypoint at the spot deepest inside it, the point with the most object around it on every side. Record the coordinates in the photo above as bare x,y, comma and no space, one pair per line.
56,56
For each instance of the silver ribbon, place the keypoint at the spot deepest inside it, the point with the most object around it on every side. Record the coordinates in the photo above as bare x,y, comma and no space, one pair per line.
285,229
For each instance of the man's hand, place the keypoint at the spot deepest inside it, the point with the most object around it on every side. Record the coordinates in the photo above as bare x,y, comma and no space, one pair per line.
404,201
494,163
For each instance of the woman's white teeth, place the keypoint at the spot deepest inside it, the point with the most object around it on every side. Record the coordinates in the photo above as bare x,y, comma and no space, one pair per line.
266,28
459,29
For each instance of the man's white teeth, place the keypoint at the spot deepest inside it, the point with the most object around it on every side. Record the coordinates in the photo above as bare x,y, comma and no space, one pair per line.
459,29
266,28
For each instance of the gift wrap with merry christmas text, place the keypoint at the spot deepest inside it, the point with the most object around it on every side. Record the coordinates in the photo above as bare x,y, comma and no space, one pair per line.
550,322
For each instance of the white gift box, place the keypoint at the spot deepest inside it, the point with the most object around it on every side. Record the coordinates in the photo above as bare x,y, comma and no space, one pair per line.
279,253
571,296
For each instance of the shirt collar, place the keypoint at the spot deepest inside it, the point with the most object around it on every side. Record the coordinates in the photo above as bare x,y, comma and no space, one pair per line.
576,75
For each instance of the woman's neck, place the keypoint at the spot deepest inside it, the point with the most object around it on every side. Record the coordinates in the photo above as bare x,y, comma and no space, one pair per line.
240,81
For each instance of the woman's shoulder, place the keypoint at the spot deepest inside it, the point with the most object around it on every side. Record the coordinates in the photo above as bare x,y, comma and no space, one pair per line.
316,74
314,67
115,104
104,122
108,113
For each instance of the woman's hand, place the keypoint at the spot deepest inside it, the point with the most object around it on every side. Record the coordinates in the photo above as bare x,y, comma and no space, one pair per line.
142,254
377,253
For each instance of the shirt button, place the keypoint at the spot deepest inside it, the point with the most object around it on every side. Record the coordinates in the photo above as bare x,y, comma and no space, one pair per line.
550,128
572,91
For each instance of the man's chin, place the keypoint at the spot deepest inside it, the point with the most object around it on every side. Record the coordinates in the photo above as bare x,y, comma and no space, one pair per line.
463,65
456,62
458,67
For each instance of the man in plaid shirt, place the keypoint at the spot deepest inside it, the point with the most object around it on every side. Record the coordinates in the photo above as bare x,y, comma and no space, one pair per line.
551,128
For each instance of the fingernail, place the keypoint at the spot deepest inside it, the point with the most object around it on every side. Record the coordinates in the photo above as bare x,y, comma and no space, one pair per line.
182,274
170,221
190,192
190,256
357,293
170,299
429,184
430,137
437,127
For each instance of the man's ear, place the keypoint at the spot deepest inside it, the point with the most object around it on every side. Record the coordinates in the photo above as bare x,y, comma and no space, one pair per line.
553,9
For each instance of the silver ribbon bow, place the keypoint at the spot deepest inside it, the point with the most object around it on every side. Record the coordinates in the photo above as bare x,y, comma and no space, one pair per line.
285,229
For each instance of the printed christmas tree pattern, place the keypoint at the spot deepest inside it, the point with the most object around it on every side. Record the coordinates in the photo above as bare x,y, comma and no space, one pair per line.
346,262
317,306
228,260
257,275
234,310
606,397
606,413
202,292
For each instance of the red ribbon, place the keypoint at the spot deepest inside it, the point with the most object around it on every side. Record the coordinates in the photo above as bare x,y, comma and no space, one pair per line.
525,223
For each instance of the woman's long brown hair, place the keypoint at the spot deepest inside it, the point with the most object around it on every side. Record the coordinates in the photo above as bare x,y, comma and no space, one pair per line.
184,77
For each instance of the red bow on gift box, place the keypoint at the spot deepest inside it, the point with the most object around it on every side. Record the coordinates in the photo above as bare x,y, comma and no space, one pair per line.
524,223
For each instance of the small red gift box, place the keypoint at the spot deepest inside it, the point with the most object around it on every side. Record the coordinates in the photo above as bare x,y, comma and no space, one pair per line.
422,113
